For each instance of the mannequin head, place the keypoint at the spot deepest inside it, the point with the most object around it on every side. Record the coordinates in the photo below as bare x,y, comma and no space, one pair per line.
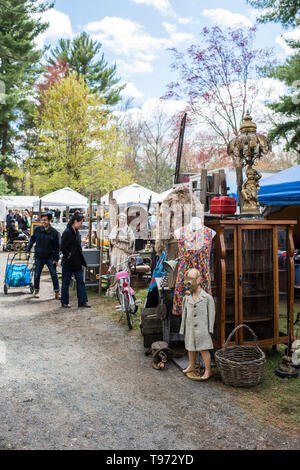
196,223
122,219
192,280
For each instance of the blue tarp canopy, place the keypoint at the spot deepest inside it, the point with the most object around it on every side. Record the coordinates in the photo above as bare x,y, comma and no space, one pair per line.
283,188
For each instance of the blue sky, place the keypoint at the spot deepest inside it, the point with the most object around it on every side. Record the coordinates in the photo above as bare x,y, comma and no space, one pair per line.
136,33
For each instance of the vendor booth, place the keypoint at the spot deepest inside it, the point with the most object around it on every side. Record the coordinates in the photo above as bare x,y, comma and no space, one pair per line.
281,189
20,202
132,194
280,194
65,197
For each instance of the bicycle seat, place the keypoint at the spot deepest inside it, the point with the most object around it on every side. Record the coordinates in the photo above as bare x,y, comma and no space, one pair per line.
122,274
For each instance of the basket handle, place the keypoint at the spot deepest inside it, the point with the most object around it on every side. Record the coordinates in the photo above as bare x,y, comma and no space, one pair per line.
237,328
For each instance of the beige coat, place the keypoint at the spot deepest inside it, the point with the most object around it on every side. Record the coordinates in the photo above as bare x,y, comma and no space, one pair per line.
197,324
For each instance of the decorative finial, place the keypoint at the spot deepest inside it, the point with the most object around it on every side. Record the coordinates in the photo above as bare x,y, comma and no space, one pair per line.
248,125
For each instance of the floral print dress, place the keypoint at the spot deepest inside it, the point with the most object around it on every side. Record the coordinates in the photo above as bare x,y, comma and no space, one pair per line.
194,252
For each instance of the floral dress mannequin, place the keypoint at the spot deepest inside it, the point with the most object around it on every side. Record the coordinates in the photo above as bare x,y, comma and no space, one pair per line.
194,245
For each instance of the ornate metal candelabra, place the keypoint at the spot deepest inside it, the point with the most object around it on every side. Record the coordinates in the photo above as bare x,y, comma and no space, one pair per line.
249,147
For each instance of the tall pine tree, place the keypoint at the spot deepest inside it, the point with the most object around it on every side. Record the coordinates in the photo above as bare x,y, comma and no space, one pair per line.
287,12
81,55
19,59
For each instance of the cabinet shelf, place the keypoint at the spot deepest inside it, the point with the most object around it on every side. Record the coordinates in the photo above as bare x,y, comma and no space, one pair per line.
254,296
268,271
257,319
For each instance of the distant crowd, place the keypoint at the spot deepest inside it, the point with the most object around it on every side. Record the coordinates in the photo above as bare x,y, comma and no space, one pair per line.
18,224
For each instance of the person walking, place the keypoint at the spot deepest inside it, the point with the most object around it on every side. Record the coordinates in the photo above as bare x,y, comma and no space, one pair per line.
72,262
46,240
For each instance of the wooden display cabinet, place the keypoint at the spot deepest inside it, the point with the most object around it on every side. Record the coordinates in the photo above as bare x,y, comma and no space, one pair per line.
252,269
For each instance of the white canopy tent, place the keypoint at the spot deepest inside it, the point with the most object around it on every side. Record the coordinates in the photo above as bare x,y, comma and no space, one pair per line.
19,202
163,195
2,211
65,197
132,194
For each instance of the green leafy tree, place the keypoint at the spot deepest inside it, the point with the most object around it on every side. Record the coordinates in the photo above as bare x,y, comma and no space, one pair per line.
81,55
19,67
78,143
278,11
3,186
287,109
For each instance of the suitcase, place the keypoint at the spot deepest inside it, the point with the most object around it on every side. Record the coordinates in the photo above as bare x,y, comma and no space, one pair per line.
151,326
223,205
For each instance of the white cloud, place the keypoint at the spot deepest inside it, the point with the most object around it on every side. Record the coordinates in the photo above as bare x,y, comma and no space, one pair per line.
125,37
151,107
163,6
170,28
130,91
188,20
59,26
227,18
294,35
137,66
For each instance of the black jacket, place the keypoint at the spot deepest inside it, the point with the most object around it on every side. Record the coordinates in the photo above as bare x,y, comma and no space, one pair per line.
13,233
71,249
46,243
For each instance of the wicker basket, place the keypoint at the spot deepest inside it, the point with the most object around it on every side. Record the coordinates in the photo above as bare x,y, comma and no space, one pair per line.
241,366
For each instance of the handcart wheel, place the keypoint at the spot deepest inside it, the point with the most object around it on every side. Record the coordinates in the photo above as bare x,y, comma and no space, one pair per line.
5,289
31,288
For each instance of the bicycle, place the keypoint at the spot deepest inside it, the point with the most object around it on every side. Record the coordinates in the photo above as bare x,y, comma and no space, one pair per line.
126,294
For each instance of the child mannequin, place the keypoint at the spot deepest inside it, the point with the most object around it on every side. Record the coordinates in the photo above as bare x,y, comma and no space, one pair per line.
197,324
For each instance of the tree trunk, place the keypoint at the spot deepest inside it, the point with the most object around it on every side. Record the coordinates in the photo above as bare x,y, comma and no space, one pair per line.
4,138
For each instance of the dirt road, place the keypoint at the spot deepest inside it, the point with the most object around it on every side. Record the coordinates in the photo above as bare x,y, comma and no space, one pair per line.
75,379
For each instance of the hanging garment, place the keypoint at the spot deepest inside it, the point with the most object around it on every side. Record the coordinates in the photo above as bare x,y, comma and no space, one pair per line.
159,272
197,324
194,252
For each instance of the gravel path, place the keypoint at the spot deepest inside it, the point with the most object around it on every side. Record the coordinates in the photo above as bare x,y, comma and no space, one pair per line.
74,379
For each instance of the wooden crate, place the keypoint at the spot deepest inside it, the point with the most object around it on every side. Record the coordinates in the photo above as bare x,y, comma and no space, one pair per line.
151,326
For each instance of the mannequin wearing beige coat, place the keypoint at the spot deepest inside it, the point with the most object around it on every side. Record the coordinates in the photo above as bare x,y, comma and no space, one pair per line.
197,324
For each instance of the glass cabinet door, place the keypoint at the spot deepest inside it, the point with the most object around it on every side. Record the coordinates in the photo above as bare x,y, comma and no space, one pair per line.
283,281
256,283
230,308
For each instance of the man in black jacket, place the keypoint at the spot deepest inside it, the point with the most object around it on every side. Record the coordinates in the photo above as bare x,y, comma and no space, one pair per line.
46,241
72,262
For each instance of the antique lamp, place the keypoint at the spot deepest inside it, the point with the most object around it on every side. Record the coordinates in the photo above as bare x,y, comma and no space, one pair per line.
249,147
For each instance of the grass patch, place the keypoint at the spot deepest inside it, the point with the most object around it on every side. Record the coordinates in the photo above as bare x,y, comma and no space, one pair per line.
107,305
275,401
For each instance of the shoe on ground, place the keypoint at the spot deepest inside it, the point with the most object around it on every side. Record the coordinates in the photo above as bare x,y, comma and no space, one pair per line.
66,305
36,294
86,305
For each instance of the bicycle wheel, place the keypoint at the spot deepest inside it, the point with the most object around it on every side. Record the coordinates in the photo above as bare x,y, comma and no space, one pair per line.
128,312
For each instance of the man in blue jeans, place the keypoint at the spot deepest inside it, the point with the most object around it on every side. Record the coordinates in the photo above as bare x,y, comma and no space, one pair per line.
46,240
72,262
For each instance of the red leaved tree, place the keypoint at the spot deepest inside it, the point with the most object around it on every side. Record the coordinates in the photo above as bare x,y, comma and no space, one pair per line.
219,79
55,73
